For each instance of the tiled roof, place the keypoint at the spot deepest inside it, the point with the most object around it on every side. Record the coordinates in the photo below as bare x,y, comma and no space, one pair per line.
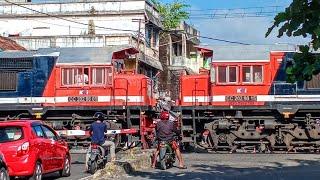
8,44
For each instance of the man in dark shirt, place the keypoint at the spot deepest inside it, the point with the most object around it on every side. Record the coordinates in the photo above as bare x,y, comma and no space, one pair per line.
166,131
97,130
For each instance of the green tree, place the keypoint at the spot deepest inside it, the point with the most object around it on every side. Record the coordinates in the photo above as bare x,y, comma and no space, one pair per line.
301,18
172,13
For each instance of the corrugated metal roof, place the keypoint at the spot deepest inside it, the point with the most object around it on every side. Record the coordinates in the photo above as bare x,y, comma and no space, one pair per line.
247,52
81,55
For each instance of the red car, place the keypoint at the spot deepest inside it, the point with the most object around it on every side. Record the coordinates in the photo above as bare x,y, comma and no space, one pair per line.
32,149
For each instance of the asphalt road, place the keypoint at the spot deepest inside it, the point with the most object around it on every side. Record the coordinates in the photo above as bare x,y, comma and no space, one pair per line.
77,169
228,167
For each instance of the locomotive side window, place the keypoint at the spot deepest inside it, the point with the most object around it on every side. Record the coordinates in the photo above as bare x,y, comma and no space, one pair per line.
246,76
101,76
257,74
74,76
222,71
80,76
98,76
227,74
109,76
66,74
252,74
232,74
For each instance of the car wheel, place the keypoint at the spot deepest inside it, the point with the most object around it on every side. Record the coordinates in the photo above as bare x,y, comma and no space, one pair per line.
4,174
37,175
66,171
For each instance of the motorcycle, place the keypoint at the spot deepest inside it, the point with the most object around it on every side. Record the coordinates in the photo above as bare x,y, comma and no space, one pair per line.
98,158
167,156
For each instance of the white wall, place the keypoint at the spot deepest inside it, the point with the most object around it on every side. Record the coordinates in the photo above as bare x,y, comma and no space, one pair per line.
72,7
33,43
38,31
47,26
116,14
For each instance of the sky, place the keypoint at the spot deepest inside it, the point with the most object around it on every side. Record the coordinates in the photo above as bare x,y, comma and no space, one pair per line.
249,30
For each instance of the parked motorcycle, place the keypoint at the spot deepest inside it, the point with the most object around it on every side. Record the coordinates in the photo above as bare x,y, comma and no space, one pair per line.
167,156
98,158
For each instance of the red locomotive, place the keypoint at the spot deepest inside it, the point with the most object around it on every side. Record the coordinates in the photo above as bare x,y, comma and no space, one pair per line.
247,103
66,86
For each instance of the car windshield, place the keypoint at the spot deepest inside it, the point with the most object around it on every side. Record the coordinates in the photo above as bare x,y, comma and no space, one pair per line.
8,134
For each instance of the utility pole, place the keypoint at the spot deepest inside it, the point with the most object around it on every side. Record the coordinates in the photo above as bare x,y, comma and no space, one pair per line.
138,44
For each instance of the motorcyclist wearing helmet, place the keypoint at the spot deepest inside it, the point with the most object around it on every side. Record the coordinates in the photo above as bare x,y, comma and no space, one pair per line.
97,130
166,130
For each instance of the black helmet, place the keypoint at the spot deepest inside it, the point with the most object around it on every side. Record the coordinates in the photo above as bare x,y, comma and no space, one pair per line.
99,116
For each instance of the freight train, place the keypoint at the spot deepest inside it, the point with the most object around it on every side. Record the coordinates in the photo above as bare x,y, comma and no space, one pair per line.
236,104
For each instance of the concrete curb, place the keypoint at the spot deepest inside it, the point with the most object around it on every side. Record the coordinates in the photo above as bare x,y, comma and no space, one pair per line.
132,160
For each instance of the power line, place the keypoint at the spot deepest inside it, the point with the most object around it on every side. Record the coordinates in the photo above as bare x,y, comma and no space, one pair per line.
50,15
265,11
223,40
231,9
204,37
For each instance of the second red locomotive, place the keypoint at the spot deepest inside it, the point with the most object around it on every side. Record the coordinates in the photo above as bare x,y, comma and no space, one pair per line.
247,103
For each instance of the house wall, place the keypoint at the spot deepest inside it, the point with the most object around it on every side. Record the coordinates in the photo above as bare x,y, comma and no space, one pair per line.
109,19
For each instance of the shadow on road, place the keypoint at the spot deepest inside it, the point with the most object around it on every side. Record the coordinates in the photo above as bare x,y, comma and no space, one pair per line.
78,162
303,169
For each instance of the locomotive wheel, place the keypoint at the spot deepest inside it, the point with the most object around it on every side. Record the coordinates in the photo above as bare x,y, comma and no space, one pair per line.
288,140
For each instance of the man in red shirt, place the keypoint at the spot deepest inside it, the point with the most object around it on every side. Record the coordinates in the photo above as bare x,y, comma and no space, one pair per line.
166,131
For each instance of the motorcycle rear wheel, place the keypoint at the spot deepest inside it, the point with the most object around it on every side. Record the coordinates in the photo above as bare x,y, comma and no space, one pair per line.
93,167
163,158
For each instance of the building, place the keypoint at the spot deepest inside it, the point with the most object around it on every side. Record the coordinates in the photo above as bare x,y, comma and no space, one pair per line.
180,53
87,23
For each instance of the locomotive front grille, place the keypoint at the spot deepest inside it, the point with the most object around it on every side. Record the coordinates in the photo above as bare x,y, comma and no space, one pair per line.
8,81
17,63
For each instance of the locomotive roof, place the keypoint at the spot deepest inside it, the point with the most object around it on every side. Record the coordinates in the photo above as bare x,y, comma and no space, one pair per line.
247,52
87,55
16,54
